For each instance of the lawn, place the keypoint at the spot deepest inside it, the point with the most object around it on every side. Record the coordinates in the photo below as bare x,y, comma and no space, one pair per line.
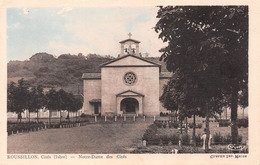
162,147
213,129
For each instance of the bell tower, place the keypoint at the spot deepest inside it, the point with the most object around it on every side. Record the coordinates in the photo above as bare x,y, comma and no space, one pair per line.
129,46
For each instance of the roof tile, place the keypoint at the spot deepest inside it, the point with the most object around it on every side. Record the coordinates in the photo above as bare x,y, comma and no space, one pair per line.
91,76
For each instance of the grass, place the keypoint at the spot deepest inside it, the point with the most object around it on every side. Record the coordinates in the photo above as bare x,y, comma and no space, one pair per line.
213,129
190,149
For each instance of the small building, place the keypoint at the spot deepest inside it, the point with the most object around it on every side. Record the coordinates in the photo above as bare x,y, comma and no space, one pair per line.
129,84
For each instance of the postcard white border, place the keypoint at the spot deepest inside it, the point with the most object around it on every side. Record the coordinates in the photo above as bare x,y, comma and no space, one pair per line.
254,75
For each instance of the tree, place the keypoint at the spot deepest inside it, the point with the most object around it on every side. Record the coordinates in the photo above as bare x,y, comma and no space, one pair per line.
188,98
36,100
11,92
17,97
73,104
208,45
62,98
51,102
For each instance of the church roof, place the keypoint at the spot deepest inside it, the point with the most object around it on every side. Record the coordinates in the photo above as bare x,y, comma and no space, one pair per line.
95,101
129,39
165,75
89,76
129,92
140,58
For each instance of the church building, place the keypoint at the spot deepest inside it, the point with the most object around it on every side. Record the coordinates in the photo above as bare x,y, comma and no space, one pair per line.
127,85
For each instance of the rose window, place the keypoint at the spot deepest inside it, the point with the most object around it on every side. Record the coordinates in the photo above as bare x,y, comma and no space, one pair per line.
130,78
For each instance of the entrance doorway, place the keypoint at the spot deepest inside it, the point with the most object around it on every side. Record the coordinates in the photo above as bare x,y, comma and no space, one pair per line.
129,105
96,111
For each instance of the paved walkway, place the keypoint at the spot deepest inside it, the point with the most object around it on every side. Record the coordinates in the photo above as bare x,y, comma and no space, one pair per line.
90,139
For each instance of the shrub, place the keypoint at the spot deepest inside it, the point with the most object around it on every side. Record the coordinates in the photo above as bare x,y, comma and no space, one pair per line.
198,140
218,139
153,127
150,135
154,140
158,123
164,125
25,127
223,123
162,114
240,138
83,115
173,125
185,139
227,139
55,125
224,140
199,125
242,123
164,139
174,139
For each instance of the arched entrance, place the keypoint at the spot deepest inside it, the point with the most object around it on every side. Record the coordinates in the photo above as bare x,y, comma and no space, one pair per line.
129,105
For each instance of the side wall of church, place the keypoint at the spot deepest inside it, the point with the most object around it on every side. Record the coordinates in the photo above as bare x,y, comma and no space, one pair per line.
92,90
162,83
147,84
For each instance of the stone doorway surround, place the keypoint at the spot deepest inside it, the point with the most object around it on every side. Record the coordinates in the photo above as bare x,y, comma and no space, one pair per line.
129,106
129,94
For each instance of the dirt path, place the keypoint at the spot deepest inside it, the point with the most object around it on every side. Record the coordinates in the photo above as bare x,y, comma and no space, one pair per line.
90,139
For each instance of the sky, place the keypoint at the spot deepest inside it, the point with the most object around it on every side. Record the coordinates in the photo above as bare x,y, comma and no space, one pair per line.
79,30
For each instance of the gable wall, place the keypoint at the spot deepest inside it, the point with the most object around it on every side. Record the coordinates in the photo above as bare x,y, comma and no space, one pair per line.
147,84
92,90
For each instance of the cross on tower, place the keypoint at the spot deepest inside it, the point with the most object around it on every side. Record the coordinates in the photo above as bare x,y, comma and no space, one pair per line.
129,34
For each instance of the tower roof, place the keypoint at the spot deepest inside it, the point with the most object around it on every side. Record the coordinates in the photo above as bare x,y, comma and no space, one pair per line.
129,39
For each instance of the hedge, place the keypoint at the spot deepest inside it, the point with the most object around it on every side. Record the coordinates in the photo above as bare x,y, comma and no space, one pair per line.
218,139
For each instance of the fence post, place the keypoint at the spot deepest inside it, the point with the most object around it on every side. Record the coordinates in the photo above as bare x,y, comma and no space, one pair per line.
124,118
95,118
144,118
153,118
105,118
115,118
134,118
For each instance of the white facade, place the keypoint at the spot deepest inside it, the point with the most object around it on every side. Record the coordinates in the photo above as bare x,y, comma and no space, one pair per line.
129,84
